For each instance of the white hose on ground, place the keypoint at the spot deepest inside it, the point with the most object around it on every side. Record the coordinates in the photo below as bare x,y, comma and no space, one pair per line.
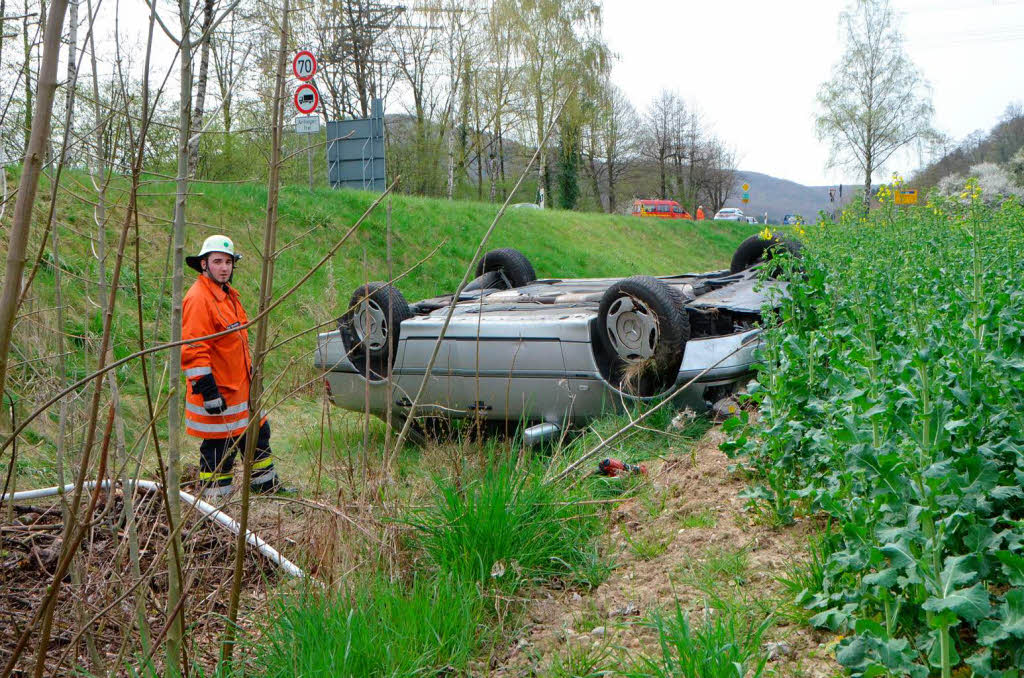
208,511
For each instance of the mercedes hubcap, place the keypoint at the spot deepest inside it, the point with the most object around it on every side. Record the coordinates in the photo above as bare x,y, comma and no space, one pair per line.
371,325
632,329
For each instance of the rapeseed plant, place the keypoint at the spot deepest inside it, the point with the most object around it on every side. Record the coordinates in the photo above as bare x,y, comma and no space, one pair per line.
910,436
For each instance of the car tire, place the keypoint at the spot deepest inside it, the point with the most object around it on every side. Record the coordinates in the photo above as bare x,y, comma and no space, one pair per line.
755,249
641,331
511,263
370,328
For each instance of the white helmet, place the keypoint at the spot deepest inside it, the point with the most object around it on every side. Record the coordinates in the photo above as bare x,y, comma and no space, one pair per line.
215,243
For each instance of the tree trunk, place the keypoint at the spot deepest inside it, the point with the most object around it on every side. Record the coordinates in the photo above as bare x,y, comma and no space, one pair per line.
451,161
27,44
501,159
266,291
867,182
32,165
3,12
661,169
204,69
173,473
610,167
592,166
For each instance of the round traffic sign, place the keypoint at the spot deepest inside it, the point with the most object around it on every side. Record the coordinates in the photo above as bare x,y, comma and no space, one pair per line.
746,187
306,98
304,65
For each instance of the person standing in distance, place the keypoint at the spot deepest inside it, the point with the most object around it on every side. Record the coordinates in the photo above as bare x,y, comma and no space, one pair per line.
700,213
219,372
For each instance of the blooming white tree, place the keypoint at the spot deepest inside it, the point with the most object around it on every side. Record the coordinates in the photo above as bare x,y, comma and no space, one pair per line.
994,181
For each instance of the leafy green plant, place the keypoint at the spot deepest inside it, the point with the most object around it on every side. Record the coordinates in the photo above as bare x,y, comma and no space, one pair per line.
890,401
720,647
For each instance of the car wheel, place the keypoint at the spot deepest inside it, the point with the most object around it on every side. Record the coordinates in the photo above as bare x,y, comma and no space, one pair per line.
641,332
510,263
370,328
756,249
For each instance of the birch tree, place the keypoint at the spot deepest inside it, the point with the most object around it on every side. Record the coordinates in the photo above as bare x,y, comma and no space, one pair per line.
876,101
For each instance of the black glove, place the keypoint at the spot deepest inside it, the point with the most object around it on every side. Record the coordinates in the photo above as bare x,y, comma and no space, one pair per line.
207,388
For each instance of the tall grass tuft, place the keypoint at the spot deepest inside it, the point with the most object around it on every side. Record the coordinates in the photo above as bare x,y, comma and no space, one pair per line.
507,527
722,647
379,628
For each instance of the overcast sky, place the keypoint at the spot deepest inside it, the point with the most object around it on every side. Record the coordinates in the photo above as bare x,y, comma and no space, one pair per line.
754,67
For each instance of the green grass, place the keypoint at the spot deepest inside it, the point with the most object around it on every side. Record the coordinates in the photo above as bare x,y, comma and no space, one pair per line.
723,646
380,628
507,527
648,545
585,661
699,519
715,567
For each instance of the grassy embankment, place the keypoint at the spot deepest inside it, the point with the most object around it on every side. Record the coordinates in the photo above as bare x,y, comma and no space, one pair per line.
891,410
564,244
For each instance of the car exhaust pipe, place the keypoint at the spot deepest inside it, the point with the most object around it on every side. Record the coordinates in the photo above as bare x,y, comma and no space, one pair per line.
535,435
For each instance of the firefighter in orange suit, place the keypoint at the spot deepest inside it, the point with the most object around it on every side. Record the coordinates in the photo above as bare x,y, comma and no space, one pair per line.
218,372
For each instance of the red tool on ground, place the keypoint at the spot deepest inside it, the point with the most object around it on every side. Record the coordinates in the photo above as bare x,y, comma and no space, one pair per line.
614,467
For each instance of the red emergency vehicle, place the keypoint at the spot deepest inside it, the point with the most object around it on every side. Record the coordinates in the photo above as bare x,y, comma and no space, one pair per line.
662,209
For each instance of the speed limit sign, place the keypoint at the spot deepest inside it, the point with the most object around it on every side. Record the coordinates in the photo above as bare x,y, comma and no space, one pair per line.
304,65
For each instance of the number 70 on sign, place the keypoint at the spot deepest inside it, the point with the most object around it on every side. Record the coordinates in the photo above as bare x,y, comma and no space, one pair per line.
304,65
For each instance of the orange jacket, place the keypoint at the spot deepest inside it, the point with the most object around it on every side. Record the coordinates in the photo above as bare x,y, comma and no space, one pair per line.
208,309
700,214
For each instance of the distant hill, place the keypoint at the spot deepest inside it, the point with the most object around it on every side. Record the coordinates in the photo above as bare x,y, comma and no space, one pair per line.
998,145
780,197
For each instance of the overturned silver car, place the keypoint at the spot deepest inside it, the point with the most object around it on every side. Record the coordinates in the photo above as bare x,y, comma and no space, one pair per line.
550,353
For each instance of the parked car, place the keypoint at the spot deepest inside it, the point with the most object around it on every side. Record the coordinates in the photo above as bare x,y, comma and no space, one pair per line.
549,353
751,220
729,214
661,209
792,220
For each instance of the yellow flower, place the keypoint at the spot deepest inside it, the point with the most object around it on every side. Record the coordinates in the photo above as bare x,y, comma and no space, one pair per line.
766,234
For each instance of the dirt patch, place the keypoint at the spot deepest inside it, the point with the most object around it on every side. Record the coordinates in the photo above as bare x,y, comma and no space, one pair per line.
686,535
